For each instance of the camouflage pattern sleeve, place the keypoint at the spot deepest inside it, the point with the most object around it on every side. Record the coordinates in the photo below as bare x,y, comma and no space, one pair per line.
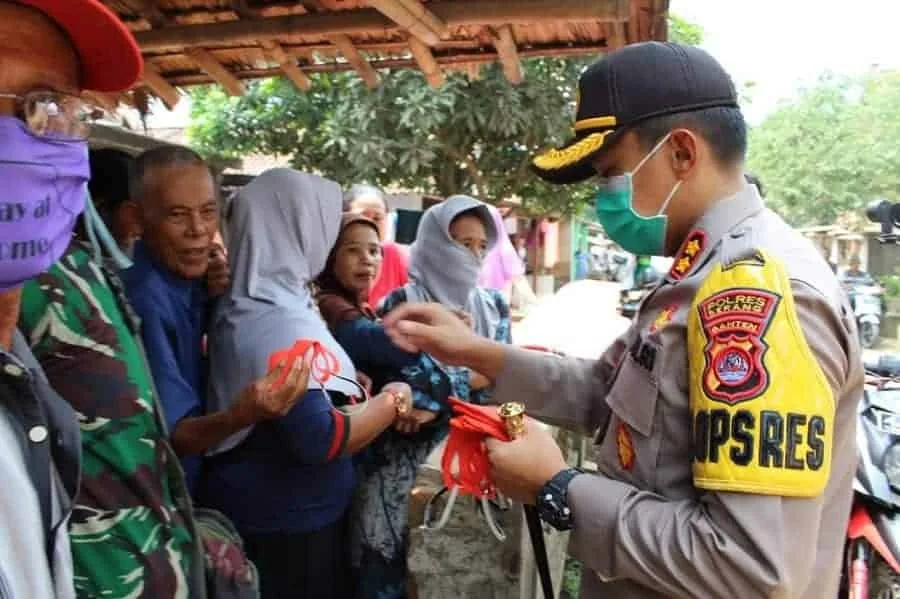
128,536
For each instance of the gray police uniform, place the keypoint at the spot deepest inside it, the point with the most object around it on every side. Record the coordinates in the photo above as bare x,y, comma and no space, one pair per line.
725,460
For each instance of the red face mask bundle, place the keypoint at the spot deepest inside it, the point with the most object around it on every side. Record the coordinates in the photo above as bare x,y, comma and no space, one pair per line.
324,363
324,366
465,462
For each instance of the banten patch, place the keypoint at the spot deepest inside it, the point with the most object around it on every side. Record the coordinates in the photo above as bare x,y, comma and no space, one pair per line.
762,411
687,256
735,323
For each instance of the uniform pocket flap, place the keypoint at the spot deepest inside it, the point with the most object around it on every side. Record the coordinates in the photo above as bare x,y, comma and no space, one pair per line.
633,396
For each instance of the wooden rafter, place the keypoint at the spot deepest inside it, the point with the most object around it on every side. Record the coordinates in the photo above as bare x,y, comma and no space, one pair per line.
219,73
423,14
412,16
505,42
288,65
427,64
454,62
150,11
659,27
158,84
345,46
243,9
367,21
634,22
616,36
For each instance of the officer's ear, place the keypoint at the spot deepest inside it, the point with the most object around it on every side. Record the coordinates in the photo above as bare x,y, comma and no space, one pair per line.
683,154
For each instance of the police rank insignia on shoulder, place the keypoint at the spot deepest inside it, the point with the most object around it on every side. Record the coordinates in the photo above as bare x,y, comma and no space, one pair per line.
687,256
762,411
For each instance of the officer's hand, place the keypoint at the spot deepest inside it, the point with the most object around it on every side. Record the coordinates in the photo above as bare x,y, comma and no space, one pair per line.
521,467
433,329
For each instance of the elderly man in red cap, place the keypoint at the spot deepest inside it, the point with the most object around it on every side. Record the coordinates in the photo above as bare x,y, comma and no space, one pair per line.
50,51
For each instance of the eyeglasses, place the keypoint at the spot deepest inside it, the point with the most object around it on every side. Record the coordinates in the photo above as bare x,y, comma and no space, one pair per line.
57,115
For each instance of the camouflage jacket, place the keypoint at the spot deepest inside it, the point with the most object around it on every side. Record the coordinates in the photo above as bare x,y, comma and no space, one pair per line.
131,529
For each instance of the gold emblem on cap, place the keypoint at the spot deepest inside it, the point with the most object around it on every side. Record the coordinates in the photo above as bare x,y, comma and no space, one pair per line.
557,159
513,415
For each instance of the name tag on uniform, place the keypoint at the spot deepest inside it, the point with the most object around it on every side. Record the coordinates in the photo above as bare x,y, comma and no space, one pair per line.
644,353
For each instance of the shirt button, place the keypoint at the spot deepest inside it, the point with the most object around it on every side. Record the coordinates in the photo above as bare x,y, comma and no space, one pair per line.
37,434
12,370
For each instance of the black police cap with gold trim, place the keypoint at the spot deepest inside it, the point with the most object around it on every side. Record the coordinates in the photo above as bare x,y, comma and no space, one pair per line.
628,86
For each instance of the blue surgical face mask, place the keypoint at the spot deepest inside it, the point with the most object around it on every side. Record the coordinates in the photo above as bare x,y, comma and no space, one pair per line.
614,206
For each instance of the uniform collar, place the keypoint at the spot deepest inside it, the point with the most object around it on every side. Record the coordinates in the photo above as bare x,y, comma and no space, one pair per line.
722,217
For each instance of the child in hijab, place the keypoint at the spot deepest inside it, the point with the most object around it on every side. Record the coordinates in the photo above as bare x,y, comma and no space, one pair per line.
445,263
387,470
287,483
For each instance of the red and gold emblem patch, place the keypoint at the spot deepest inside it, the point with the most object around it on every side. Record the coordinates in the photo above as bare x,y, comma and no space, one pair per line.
687,256
734,323
663,318
624,446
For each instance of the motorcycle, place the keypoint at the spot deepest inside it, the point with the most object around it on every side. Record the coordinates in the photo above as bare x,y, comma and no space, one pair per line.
872,550
630,300
868,309
609,265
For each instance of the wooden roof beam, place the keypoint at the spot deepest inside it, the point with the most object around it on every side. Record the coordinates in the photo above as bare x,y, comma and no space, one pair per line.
370,21
412,16
355,58
447,62
427,64
659,25
505,43
159,86
219,73
150,11
243,9
288,65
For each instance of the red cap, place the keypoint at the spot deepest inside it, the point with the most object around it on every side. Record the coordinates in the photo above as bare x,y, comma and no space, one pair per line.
110,58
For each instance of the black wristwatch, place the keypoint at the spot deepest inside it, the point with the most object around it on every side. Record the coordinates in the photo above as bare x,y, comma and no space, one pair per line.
553,500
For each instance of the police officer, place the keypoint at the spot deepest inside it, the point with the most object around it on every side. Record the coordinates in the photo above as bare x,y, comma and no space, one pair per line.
724,417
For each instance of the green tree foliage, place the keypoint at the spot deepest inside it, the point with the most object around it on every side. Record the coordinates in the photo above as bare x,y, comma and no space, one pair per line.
684,32
824,156
472,136
469,136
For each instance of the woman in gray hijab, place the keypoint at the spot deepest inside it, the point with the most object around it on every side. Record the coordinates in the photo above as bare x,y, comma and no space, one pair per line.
445,263
287,483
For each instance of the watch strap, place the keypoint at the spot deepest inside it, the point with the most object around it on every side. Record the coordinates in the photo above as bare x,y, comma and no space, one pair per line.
552,501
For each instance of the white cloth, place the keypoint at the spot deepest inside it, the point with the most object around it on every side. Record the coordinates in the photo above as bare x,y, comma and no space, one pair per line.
24,571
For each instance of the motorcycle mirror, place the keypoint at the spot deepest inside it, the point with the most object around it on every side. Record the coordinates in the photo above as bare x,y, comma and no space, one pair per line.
885,213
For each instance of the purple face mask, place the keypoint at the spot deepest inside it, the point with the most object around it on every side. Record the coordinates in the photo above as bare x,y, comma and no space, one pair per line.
43,183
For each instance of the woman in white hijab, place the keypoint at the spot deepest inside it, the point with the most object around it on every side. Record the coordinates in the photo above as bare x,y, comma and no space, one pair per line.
287,483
